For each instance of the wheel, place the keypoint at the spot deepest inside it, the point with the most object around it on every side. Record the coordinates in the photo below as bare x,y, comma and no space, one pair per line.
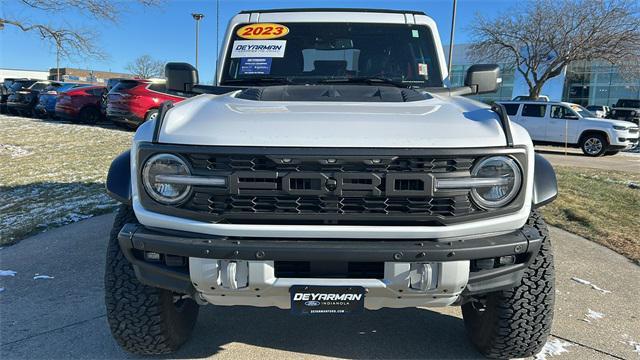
89,115
151,115
144,320
593,145
611,152
515,323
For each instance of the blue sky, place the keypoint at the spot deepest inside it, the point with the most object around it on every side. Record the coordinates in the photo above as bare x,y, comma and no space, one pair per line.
167,32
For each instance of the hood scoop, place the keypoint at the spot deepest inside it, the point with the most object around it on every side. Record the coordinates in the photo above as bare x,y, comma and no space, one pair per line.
335,93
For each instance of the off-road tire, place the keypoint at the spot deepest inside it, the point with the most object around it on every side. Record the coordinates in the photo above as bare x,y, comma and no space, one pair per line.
144,320
515,323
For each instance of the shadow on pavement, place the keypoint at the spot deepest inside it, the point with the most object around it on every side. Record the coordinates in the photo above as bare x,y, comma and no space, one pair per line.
387,334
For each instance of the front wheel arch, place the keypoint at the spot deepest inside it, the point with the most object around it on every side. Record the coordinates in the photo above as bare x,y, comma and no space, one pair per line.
119,178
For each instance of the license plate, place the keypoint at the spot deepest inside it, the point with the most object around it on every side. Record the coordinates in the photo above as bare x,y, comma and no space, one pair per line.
311,300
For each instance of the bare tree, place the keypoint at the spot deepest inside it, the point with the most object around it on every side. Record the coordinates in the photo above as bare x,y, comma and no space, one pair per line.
541,38
70,41
146,67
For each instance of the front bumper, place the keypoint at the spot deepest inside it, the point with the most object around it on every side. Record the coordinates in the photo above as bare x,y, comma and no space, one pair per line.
456,262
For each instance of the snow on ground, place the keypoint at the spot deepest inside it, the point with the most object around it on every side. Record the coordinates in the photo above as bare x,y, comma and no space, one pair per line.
592,315
7,273
42,277
593,286
53,173
14,151
553,347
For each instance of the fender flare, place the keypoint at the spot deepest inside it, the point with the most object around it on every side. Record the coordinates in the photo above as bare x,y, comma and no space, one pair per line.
119,178
545,184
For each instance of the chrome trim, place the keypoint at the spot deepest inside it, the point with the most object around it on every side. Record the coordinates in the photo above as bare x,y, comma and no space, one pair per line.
191,180
467,183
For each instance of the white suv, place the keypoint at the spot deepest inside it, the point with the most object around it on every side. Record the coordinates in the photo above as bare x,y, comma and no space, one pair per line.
560,123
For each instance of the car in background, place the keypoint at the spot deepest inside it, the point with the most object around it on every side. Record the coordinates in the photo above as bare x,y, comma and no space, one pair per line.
23,101
558,123
601,111
46,106
626,109
134,101
111,83
81,104
10,86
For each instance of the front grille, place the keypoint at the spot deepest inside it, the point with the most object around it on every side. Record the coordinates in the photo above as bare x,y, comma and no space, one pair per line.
266,188
327,187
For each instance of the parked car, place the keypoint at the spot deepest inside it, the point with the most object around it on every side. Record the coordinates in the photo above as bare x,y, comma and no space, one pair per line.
24,101
299,186
557,123
111,83
46,106
81,104
132,102
601,111
626,109
10,86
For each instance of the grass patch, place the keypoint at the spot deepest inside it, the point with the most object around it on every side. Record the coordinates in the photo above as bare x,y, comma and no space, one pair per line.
53,173
598,205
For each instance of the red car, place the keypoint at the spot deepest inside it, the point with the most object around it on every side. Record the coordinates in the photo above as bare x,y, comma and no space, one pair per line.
80,104
132,102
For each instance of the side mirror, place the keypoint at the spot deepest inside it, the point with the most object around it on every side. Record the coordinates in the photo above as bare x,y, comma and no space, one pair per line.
181,77
483,78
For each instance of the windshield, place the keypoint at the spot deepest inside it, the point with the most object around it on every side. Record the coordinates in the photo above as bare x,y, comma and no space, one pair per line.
313,52
20,84
628,103
580,110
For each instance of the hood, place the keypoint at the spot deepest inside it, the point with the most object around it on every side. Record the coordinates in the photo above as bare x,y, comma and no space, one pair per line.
604,121
436,122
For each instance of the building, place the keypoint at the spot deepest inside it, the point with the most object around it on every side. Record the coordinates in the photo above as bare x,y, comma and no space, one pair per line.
584,83
81,75
21,73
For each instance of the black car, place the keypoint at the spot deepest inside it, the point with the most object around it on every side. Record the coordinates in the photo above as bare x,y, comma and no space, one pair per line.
24,100
8,87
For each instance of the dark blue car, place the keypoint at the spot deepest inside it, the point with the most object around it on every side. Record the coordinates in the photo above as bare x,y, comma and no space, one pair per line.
46,106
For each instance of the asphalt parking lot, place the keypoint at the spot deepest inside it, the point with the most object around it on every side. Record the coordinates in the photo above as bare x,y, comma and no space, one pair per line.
559,156
64,316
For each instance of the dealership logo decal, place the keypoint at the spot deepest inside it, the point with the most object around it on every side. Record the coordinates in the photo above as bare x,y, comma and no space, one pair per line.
326,297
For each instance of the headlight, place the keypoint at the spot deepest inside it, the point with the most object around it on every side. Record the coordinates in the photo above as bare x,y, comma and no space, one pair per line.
633,113
496,167
165,165
613,112
619,127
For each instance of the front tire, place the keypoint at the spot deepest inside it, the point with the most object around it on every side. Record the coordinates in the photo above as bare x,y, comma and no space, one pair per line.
144,320
515,323
89,115
151,115
594,145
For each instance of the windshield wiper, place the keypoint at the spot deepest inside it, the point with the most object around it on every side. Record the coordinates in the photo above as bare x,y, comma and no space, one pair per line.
365,80
259,81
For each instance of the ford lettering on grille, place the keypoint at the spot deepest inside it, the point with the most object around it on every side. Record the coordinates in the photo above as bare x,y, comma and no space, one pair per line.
338,184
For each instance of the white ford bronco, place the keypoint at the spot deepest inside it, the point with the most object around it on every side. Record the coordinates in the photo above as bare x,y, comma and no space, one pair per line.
331,171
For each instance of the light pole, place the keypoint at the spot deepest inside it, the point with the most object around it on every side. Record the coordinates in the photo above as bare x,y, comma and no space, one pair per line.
453,26
197,18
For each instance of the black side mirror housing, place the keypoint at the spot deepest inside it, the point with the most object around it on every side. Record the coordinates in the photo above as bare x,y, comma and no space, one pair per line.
181,77
484,78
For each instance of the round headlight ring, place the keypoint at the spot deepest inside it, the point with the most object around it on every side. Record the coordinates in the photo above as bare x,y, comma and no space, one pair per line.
151,191
513,191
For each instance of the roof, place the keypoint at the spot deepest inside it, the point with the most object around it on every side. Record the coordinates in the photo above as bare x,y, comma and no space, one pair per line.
334,10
